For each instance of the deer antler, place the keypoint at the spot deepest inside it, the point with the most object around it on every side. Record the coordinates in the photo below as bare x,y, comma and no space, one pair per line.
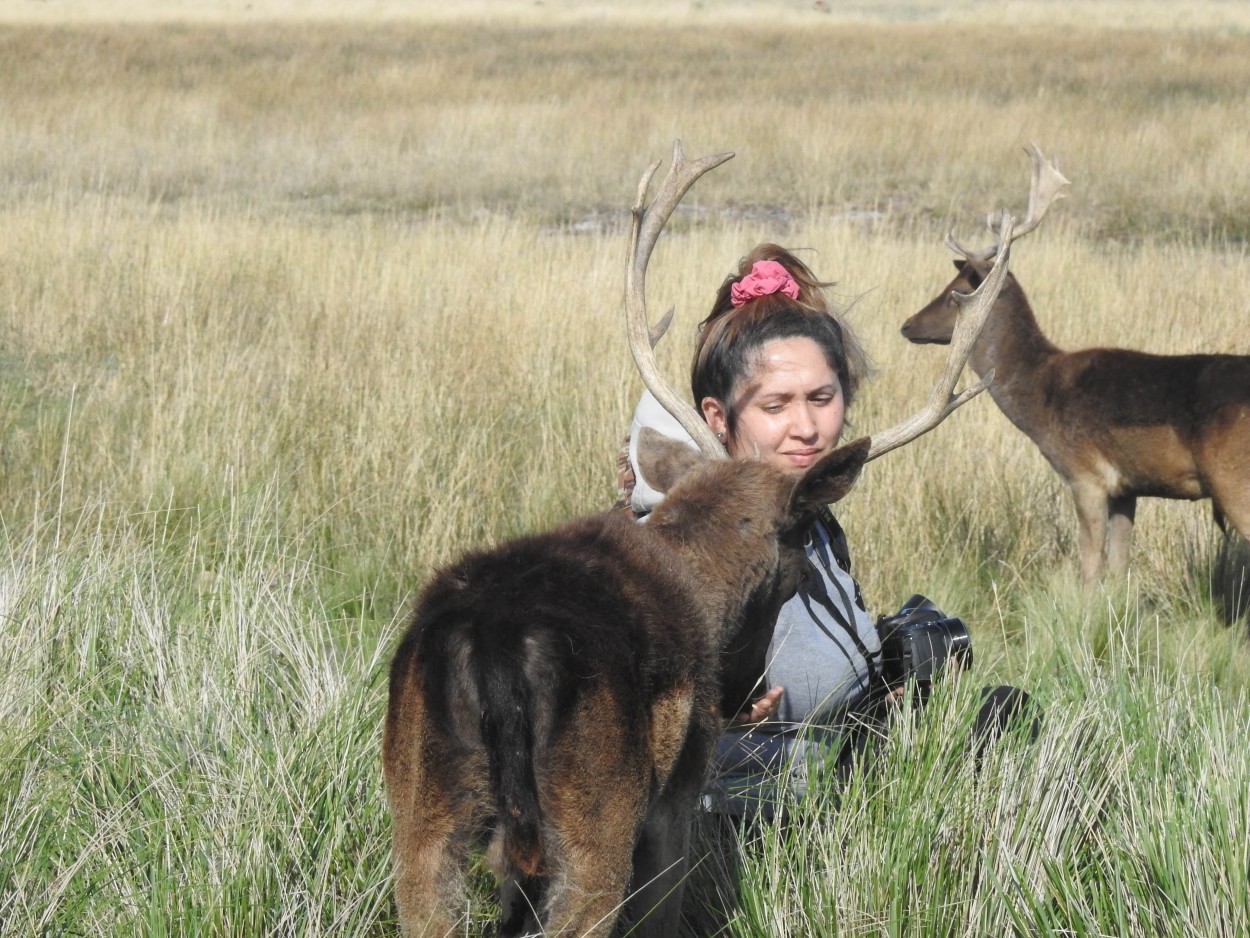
649,221
974,310
1045,188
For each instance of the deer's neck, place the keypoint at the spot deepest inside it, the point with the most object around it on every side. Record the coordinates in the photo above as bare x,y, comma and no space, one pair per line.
1013,345
725,569
729,592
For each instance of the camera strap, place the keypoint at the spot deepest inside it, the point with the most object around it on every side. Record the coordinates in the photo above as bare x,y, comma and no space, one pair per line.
837,546
816,590
823,600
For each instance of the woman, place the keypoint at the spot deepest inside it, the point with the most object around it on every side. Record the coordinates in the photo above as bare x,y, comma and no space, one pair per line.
775,369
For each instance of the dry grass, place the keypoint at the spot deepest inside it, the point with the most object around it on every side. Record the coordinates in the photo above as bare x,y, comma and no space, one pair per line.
379,262
552,120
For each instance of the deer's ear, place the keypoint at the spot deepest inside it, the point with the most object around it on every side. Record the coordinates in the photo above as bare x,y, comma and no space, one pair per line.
664,461
830,479
959,263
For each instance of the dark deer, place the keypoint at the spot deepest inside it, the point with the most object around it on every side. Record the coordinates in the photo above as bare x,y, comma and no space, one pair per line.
1115,424
555,700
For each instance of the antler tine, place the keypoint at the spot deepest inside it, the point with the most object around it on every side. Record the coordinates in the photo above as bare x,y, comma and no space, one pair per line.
657,331
1045,188
982,255
974,309
649,221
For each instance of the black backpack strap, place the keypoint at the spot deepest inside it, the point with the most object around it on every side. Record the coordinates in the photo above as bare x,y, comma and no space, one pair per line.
835,540
824,601
839,548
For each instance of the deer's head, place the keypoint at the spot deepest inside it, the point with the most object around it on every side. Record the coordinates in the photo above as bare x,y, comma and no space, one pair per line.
935,322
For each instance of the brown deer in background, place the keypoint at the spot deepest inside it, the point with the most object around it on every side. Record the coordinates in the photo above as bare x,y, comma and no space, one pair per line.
1115,424
555,700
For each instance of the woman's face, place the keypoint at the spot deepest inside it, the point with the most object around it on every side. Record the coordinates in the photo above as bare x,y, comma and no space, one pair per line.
790,407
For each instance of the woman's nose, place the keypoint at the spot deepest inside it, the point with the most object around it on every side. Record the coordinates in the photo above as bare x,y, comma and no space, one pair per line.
804,425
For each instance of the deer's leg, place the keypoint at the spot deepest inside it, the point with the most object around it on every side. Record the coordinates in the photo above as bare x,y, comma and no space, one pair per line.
519,902
429,855
599,782
1120,513
595,819
661,865
1092,510
1232,507
587,892
429,842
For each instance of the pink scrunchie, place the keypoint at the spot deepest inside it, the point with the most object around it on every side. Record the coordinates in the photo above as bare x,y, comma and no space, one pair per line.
765,277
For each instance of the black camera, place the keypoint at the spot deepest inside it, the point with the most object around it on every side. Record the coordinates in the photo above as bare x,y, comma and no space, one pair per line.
918,641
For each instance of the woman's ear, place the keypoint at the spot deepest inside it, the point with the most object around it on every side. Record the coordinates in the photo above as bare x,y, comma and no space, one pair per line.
715,415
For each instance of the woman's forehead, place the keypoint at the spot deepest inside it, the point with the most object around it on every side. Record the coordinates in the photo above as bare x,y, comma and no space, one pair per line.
794,363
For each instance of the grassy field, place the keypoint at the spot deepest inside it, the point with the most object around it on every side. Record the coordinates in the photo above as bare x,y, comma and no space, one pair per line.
297,302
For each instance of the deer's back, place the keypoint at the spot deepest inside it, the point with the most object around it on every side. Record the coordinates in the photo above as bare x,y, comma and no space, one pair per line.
594,604
1142,424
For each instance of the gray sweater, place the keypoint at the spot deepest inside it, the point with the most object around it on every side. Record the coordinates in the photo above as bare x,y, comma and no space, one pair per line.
820,654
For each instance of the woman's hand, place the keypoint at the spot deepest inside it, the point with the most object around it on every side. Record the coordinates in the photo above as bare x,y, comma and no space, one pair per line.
761,709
